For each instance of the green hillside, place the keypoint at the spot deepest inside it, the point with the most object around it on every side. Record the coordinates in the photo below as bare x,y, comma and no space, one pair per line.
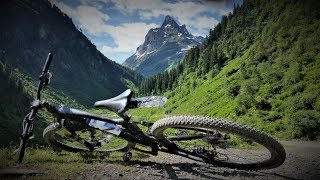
16,94
9,109
30,29
259,66
15,103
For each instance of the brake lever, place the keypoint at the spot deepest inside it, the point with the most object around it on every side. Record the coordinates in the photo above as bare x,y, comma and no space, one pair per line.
47,79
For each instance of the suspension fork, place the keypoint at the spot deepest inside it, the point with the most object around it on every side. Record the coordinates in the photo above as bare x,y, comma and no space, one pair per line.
29,119
27,128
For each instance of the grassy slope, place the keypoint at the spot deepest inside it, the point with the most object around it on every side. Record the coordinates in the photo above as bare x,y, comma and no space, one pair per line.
273,83
17,92
55,164
274,86
11,108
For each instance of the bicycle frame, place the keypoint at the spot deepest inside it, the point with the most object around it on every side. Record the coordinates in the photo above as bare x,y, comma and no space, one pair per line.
129,129
131,132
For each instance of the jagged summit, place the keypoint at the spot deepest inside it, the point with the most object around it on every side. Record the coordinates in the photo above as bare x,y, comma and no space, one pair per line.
168,22
163,47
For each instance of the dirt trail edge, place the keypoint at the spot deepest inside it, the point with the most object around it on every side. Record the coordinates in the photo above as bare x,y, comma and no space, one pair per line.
303,162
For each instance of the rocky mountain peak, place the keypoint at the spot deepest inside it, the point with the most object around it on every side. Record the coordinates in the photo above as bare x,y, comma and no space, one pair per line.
168,42
169,21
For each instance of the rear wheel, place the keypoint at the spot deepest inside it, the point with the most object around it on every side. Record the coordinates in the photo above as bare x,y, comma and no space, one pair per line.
83,139
219,142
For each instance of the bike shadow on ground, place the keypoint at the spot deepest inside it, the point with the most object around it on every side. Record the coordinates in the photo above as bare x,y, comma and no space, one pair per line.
204,171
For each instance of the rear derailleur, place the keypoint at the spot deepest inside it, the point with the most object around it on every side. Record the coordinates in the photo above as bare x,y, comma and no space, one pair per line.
216,138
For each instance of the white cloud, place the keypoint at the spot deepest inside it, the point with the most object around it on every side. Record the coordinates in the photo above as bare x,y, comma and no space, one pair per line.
64,8
91,19
186,12
148,13
127,36
129,6
201,22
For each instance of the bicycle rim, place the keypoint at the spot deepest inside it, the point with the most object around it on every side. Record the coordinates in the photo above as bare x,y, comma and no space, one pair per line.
203,139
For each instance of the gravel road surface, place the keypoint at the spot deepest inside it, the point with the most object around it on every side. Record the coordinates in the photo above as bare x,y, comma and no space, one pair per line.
302,162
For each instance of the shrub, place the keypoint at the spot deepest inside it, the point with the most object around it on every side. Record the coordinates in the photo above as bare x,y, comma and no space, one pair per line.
273,116
302,102
264,105
232,89
244,102
297,88
250,86
232,71
292,75
308,121
277,89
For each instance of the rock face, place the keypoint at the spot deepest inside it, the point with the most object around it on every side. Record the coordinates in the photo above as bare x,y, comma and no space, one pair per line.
163,48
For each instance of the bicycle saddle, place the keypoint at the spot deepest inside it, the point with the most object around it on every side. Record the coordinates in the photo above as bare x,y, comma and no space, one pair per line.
117,104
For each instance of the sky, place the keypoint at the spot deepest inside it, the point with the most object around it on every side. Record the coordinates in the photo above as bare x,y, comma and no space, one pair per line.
118,27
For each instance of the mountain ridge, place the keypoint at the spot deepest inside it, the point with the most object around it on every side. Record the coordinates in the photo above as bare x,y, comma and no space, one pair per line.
163,47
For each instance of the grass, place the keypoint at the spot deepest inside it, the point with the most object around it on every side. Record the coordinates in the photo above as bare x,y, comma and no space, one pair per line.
55,164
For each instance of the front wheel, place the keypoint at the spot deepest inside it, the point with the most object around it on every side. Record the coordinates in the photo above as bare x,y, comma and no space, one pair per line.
219,142
21,150
27,128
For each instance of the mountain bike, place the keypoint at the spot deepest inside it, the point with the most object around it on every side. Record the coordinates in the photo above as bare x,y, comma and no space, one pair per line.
209,140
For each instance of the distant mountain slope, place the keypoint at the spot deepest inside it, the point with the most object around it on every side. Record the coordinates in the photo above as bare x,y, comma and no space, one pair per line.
14,105
163,47
32,28
259,66
29,30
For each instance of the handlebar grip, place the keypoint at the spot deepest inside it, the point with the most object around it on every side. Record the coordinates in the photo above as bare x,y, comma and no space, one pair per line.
48,62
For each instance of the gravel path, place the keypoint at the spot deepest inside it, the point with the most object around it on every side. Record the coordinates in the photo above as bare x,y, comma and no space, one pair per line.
303,162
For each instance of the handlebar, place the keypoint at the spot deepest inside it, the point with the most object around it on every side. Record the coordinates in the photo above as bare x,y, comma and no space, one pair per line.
47,64
45,76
